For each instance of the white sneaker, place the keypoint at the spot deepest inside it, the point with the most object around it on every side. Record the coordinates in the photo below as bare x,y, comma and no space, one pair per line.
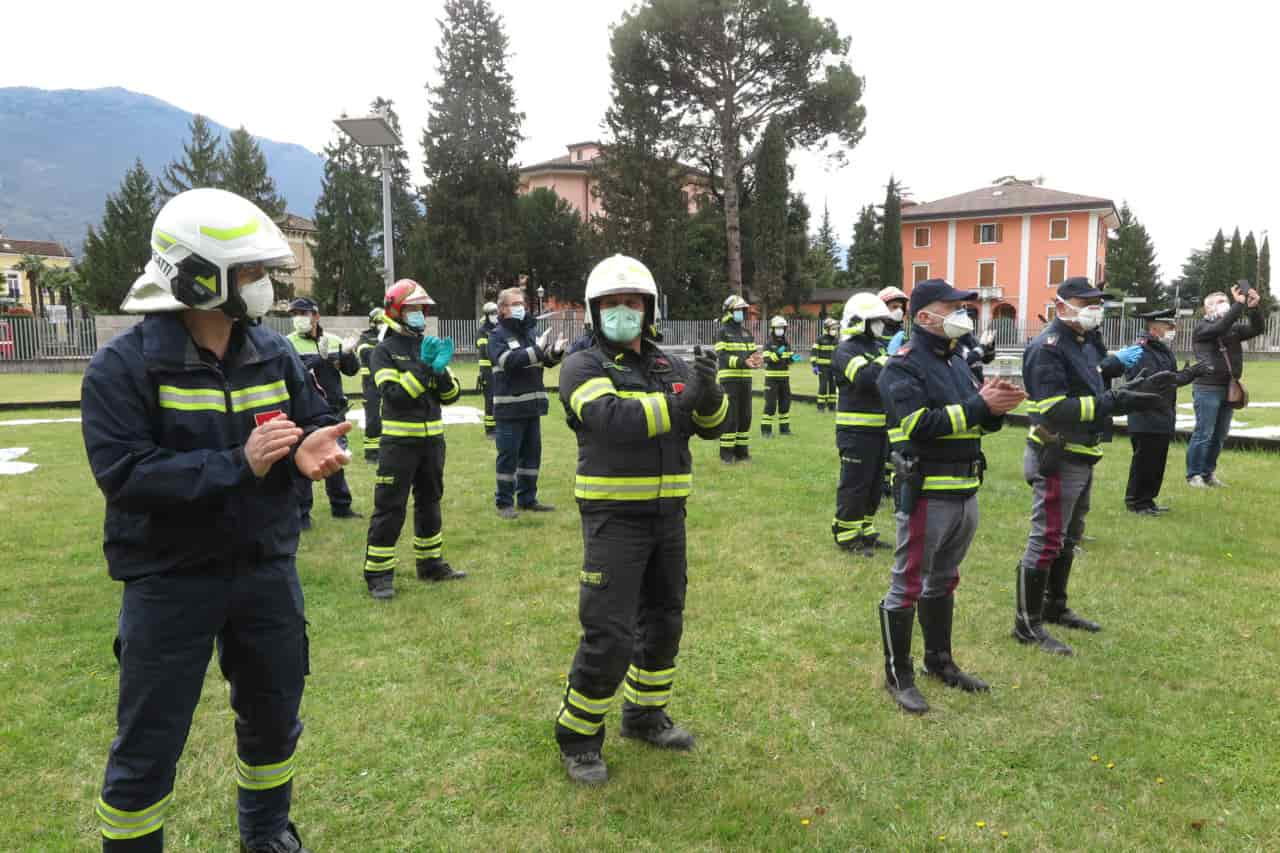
1212,480
1197,482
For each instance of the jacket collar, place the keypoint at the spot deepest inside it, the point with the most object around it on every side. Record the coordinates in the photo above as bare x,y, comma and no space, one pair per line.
166,342
937,344
1064,331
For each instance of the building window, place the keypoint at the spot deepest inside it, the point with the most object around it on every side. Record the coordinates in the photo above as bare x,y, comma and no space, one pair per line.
1058,229
988,232
986,273
13,284
923,236
1097,274
1057,271
919,273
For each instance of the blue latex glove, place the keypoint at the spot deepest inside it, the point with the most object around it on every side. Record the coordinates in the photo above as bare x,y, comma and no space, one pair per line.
795,356
782,349
896,342
444,354
1129,356
430,346
816,370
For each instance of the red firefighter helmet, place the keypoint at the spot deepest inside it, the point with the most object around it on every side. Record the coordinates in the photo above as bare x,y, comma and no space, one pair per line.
402,294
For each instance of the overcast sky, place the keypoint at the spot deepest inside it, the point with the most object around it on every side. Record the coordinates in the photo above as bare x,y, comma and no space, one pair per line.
1168,105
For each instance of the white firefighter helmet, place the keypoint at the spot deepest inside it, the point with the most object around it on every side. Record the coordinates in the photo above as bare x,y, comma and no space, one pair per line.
831,325
489,308
199,237
860,308
621,274
778,322
889,294
734,302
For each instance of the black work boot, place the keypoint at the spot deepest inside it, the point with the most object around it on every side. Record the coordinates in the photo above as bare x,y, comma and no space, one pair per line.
1055,597
726,455
899,676
436,569
935,624
286,842
766,432
585,768
657,730
785,429
381,585
1028,621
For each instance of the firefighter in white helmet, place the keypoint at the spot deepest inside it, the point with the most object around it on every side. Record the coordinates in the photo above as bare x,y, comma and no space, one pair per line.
778,356
634,410
823,349
484,381
736,350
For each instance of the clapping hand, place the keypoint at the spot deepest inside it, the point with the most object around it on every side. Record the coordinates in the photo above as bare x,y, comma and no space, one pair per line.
1001,396
755,360
988,339
1130,355
430,348
320,453
1253,299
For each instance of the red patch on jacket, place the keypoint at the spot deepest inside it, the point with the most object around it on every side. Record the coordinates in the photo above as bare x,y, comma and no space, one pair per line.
262,417
678,387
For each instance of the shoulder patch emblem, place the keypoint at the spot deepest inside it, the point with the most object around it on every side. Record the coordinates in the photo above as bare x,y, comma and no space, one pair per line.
513,345
904,349
1051,340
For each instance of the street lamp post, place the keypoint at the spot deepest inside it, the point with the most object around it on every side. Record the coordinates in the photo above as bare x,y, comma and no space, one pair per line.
542,292
375,131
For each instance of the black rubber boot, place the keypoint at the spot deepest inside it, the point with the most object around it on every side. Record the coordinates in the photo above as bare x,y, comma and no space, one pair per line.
286,842
1028,622
381,585
585,768
437,569
899,675
766,432
1055,597
657,730
935,624
726,456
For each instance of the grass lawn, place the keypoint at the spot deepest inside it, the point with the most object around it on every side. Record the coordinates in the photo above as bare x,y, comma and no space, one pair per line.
429,718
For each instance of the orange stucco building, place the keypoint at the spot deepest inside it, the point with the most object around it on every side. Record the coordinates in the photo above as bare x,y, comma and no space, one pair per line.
572,178
1013,243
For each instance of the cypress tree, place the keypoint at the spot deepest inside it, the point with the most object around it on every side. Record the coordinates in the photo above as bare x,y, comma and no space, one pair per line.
865,251
770,219
1217,268
891,237
1235,258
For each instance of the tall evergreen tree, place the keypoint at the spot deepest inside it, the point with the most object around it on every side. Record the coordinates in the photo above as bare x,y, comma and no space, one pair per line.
550,252
865,251
244,172
798,284
1217,268
770,219
1264,274
1250,259
1187,285
115,253
201,163
406,209
347,278
823,252
725,70
1131,258
891,236
469,143
1235,258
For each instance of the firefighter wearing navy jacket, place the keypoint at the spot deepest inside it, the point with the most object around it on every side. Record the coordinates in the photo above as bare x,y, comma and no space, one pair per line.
414,380
327,358
1071,411
196,422
736,351
778,356
860,424
519,402
937,415
365,344
634,410
485,380
823,350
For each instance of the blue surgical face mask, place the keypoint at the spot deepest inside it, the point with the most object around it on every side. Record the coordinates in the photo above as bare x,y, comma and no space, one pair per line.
737,316
517,312
416,321
621,324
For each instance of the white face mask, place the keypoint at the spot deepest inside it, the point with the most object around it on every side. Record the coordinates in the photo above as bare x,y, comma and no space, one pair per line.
1170,336
895,314
1089,317
957,324
877,328
1217,310
492,318
257,297
301,323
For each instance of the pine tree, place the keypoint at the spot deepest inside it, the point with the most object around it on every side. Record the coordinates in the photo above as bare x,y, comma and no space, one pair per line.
116,252
798,284
891,236
770,219
1217,268
865,252
549,248
469,143
1131,258
347,278
406,209
1235,258
1264,274
201,164
244,172
823,251
1187,285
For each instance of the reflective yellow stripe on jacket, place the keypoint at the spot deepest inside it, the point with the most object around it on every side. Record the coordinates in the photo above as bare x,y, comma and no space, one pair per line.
657,415
632,488
412,429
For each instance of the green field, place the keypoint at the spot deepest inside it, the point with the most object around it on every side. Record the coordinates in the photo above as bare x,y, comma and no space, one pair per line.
429,718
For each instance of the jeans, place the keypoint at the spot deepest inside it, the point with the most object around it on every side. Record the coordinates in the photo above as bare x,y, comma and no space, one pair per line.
1213,422
519,443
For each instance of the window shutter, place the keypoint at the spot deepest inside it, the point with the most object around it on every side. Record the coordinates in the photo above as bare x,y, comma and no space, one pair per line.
977,233
999,233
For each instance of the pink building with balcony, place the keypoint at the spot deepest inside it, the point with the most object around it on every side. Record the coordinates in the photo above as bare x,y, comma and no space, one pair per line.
1014,243
572,178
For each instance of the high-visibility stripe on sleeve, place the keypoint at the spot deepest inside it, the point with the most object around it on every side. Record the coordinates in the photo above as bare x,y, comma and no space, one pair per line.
592,389
411,384
714,419
908,424
1042,406
1088,408
449,394
120,825
657,416
387,374
955,412
855,364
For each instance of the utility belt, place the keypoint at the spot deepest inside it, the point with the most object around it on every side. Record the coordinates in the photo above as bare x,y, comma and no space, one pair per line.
914,477
1051,447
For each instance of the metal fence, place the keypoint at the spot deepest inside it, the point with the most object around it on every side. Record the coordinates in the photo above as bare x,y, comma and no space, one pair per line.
1117,333
33,338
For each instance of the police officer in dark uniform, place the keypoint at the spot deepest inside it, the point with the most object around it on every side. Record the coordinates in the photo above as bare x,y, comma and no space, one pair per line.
484,381
937,414
414,381
368,340
196,422
737,357
778,356
1070,410
325,357
1150,432
633,409
823,350
860,424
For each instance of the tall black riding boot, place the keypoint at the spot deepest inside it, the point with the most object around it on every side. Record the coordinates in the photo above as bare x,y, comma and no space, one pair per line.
1028,622
899,676
935,624
1055,597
